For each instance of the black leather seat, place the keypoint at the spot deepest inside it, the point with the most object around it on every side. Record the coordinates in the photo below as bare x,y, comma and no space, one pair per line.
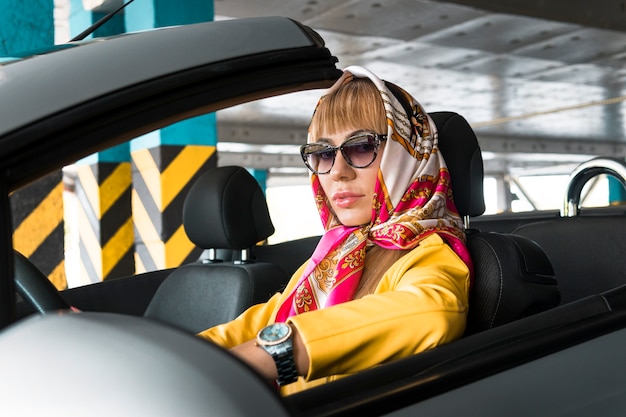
513,276
225,212
587,252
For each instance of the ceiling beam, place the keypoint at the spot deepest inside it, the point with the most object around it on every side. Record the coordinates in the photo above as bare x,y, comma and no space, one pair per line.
261,135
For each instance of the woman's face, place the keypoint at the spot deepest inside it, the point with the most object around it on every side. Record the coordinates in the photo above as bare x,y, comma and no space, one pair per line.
349,190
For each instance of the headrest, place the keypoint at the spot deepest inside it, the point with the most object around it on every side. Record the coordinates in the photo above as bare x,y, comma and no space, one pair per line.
514,279
226,209
459,147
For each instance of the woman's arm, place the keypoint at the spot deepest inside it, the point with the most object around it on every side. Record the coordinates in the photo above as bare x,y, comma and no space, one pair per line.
421,302
263,363
244,327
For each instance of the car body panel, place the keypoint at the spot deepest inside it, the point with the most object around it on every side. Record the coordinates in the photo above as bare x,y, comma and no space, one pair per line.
587,379
101,364
95,68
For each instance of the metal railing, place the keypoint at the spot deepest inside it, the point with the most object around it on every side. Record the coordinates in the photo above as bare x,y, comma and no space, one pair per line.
615,167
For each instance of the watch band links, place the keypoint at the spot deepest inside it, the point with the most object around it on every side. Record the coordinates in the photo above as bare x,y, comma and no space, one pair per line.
286,367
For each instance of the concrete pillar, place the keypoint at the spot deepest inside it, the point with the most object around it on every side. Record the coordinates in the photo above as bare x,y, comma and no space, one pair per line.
167,162
38,226
106,238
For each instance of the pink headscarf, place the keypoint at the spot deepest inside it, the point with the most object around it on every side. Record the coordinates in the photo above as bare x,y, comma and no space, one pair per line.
412,200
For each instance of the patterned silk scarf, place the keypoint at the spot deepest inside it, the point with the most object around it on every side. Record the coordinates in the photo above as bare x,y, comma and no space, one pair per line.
413,200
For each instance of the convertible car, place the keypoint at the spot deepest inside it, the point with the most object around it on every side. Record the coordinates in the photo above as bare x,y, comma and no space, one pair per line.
545,330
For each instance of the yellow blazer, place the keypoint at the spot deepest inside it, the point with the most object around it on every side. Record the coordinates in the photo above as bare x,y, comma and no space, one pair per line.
420,302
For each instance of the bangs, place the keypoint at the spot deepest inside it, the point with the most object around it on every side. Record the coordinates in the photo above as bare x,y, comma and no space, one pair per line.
356,104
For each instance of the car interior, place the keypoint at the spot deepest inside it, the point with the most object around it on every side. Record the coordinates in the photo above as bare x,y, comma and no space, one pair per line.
530,286
514,278
504,263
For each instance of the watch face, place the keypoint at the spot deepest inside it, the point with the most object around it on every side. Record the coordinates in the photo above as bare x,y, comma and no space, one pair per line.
275,332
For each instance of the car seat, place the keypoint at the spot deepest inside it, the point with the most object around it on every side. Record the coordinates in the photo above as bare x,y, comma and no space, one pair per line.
225,212
587,252
513,277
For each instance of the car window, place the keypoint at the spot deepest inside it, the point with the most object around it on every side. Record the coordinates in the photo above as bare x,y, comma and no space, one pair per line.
87,222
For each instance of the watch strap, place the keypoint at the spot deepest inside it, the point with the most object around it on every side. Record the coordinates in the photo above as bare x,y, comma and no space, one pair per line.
286,366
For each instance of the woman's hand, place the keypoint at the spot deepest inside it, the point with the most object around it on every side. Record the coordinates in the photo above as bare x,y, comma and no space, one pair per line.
257,358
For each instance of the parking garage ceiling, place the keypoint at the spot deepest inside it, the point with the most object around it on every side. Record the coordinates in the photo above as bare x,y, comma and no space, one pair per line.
531,86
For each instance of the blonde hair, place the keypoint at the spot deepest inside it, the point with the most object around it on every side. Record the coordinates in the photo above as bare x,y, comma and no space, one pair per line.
356,104
377,261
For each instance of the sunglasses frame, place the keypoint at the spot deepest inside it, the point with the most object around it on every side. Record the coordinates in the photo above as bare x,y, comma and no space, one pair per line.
378,140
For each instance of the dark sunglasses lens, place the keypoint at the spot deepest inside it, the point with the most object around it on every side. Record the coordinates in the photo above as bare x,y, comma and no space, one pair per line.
319,157
360,151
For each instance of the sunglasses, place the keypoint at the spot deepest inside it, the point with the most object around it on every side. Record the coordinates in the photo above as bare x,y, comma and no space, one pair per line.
359,151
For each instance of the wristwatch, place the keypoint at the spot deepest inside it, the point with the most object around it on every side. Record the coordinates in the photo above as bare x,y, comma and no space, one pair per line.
276,339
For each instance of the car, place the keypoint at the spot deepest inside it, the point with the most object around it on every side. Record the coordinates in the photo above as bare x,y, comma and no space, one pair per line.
540,340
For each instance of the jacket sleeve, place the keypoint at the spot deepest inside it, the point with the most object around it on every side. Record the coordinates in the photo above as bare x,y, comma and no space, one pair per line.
244,327
420,302
247,325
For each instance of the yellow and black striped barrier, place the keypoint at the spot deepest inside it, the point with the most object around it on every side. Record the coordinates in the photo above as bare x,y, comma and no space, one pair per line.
38,226
105,220
161,178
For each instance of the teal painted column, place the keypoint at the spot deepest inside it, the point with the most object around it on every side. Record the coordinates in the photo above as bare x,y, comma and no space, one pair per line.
80,19
261,177
25,25
617,193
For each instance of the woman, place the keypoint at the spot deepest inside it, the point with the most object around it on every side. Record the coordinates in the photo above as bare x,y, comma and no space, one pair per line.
391,275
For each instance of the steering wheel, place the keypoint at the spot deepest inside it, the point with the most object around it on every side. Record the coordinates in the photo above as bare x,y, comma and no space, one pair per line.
35,288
